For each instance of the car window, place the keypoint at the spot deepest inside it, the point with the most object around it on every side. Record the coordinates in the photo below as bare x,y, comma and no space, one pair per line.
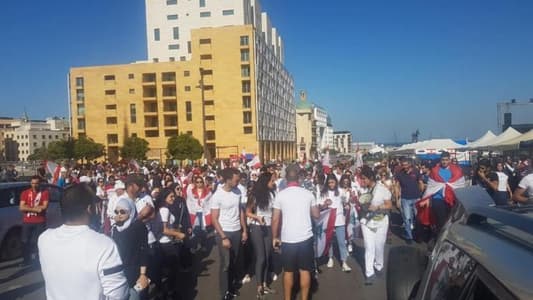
450,272
7,197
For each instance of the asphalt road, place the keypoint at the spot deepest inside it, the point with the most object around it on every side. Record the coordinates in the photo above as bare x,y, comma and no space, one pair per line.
27,283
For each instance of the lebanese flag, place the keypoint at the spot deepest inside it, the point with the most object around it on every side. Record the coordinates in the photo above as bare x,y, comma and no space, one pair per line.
205,221
254,163
323,231
135,165
53,169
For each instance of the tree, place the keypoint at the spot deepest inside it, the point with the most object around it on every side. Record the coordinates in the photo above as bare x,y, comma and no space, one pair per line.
184,146
86,148
39,154
134,148
61,149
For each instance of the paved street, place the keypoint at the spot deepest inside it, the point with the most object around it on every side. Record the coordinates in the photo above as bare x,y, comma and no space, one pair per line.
16,283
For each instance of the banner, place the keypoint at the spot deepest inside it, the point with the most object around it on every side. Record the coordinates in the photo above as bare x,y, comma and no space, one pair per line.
323,231
53,169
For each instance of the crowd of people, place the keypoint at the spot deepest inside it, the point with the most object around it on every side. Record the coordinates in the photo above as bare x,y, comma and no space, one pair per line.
157,219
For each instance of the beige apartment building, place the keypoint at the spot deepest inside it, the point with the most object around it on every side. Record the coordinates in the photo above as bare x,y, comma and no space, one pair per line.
233,95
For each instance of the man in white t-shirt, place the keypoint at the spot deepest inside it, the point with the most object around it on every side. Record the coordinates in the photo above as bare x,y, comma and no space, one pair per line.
524,192
294,206
230,225
77,262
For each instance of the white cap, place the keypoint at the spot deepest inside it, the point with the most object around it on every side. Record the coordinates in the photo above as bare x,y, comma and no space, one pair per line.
63,169
85,179
119,185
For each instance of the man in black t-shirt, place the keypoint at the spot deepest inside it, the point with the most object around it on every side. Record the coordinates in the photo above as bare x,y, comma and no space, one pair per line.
408,186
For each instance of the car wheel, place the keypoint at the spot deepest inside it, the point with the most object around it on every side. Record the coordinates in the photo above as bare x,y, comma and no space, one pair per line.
405,268
11,245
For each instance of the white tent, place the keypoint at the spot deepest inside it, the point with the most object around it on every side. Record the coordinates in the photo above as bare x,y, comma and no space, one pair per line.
486,137
514,143
508,134
434,145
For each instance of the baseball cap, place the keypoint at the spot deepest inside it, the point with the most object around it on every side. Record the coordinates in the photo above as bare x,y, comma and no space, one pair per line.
119,185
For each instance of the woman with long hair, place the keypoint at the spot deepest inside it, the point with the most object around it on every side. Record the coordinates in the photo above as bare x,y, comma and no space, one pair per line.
349,196
330,197
374,223
198,197
259,213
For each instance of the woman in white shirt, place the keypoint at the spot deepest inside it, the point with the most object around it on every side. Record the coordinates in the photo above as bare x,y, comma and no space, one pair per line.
198,198
374,223
331,197
168,240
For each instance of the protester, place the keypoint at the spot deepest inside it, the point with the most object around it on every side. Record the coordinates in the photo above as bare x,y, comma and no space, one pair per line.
33,205
293,208
408,186
77,262
524,192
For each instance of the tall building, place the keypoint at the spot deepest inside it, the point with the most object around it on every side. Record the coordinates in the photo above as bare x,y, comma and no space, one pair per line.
304,128
342,141
5,127
24,136
169,24
234,95
518,115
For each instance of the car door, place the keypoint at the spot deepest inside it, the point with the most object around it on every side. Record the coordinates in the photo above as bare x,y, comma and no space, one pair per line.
53,213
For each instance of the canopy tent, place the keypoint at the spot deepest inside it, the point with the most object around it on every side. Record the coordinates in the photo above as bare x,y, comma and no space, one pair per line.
429,145
514,143
507,135
377,149
485,138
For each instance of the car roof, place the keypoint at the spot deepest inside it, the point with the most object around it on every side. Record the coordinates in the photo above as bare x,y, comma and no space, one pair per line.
498,238
14,184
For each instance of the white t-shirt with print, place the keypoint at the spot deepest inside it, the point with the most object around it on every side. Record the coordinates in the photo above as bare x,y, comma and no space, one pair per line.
166,217
228,203
337,204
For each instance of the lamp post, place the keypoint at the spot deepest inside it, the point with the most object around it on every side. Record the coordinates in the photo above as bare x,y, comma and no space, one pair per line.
204,138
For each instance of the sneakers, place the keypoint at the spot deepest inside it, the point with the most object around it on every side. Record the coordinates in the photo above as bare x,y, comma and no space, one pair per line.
345,267
246,279
331,263
370,280
267,290
350,248
274,276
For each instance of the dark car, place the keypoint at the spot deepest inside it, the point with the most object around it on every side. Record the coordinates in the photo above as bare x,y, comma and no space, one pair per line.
483,252
11,217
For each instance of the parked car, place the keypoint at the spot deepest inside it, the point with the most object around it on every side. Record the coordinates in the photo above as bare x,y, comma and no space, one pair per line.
11,217
483,252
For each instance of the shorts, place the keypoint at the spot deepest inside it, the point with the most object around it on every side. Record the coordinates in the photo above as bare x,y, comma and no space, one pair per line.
298,256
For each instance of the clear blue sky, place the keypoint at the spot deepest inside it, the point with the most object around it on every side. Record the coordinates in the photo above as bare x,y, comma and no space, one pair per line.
380,68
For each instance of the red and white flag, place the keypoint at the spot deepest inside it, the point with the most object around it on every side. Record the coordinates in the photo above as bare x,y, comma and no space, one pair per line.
323,231
255,162
53,169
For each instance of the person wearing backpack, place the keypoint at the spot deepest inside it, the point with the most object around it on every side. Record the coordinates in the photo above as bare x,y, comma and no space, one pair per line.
169,238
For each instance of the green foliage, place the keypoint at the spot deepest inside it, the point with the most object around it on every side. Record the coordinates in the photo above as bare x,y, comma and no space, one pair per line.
86,148
39,154
63,149
134,148
184,146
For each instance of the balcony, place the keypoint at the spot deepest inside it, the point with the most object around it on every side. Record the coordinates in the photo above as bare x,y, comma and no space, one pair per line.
149,92
149,79
150,107
169,77
169,92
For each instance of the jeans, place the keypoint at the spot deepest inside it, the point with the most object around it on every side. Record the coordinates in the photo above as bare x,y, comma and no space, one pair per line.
408,215
228,258
261,237
340,233
29,235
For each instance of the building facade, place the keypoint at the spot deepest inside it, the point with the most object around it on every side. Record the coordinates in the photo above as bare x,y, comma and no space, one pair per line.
518,115
231,95
5,127
25,136
342,141
304,128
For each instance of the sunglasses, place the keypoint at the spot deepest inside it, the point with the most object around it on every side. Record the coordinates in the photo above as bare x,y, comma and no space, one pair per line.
121,212
199,181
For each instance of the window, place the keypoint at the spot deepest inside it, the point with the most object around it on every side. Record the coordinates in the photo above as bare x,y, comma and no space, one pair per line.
247,130
79,81
151,133
169,76
132,91
81,126
172,59
133,114
189,49
208,87
209,118
187,88
173,47
246,102
245,70
245,55
172,17
186,73
189,132
111,106
149,77
247,117
205,14
202,3
109,77
172,2
246,86
112,138
134,135
81,109
169,91
80,95
206,56
111,120
207,72
244,40
209,102
110,92
156,34
205,41
171,132
210,135
34,144
183,58
34,136
176,33
228,12
43,136
131,76
188,110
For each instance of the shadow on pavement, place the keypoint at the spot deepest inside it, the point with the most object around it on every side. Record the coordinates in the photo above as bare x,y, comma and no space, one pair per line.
19,292
19,273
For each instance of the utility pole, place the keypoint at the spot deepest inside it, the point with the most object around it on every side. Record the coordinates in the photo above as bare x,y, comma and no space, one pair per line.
207,155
